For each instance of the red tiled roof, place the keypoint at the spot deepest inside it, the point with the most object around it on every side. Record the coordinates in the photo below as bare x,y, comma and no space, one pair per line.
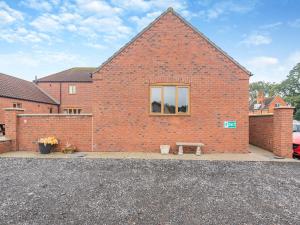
77,74
12,87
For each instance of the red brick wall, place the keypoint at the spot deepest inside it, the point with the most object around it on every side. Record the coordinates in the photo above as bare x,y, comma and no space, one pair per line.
283,131
172,52
273,132
74,129
279,100
82,99
5,146
261,131
29,107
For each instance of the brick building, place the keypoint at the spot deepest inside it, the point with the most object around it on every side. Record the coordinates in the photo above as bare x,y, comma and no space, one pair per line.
169,84
18,93
72,88
265,105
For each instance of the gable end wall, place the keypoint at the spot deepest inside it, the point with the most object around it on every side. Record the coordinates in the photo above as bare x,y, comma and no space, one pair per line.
170,51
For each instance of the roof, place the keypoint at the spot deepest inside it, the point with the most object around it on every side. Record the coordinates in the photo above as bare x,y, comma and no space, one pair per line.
12,87
76,74
264,105
185,22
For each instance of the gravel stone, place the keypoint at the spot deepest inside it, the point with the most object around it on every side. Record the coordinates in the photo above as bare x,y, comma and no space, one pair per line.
154,192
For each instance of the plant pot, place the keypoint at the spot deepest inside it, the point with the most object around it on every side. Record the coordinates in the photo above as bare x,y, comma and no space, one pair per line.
164,149
45,149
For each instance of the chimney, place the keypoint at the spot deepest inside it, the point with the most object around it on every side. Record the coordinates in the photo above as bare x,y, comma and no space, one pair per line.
260,97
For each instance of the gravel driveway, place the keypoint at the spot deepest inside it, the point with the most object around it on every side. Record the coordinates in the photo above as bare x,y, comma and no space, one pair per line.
154,192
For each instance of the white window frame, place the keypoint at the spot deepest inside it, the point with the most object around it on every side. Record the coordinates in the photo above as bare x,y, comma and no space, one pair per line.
72,89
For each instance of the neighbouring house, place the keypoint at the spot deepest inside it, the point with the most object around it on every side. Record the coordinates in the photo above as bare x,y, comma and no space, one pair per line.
72,88
18,93
169,84
265,105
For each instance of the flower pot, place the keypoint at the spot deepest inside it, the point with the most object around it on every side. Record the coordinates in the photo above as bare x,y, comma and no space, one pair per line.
45,149
164,149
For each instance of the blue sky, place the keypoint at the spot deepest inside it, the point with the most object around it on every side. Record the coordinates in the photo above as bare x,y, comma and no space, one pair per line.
43,37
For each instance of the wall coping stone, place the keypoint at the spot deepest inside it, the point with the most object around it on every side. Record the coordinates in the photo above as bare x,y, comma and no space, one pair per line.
13,109
258,115
55,115
285,107
4,139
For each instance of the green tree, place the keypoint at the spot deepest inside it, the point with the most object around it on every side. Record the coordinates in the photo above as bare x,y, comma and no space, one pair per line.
297,115
290,89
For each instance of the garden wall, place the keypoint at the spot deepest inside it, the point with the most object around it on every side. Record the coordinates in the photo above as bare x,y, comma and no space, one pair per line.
5,145
73,129
273,132
25,129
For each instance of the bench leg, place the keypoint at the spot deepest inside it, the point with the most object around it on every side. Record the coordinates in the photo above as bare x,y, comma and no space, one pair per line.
180,150
198,151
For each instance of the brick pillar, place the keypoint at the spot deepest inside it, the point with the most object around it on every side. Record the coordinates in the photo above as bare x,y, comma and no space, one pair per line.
11,123
283,131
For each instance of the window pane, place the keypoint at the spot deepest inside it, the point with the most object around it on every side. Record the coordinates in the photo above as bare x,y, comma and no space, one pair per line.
183,99
169,100
155,100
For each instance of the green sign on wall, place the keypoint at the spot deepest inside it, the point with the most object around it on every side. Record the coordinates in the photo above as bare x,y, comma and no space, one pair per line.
230,124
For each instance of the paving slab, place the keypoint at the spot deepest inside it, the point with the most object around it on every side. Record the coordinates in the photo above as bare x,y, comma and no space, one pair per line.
255,154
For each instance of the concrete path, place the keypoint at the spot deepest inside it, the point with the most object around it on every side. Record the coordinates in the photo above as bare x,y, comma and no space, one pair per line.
255,154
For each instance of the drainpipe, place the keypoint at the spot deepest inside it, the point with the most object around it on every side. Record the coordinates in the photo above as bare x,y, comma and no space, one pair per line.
59,110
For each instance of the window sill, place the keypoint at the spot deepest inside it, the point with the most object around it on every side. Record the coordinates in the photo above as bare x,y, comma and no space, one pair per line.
153,114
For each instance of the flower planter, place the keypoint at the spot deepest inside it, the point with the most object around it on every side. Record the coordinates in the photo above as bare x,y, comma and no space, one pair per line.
164,149
45,149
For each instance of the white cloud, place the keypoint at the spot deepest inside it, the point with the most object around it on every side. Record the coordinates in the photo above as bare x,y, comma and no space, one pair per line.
94,45
271,25
222,8
39,5
102,8
142,22
30,63
262,61
153,5
47,23
9,15
23,35
271,68
295,23
256,39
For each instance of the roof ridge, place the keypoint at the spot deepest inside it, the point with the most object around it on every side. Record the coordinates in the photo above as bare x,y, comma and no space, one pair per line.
171,10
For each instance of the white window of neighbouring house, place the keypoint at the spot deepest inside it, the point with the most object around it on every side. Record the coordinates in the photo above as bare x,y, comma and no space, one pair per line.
17,105
169,99
72,89
277,105
72,111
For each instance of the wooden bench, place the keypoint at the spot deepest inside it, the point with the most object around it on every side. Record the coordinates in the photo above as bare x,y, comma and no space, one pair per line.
181,144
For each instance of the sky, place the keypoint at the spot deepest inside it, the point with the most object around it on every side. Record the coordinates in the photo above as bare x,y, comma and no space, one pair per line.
40,37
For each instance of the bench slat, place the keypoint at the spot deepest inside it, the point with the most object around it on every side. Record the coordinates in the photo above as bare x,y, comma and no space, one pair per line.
188,144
